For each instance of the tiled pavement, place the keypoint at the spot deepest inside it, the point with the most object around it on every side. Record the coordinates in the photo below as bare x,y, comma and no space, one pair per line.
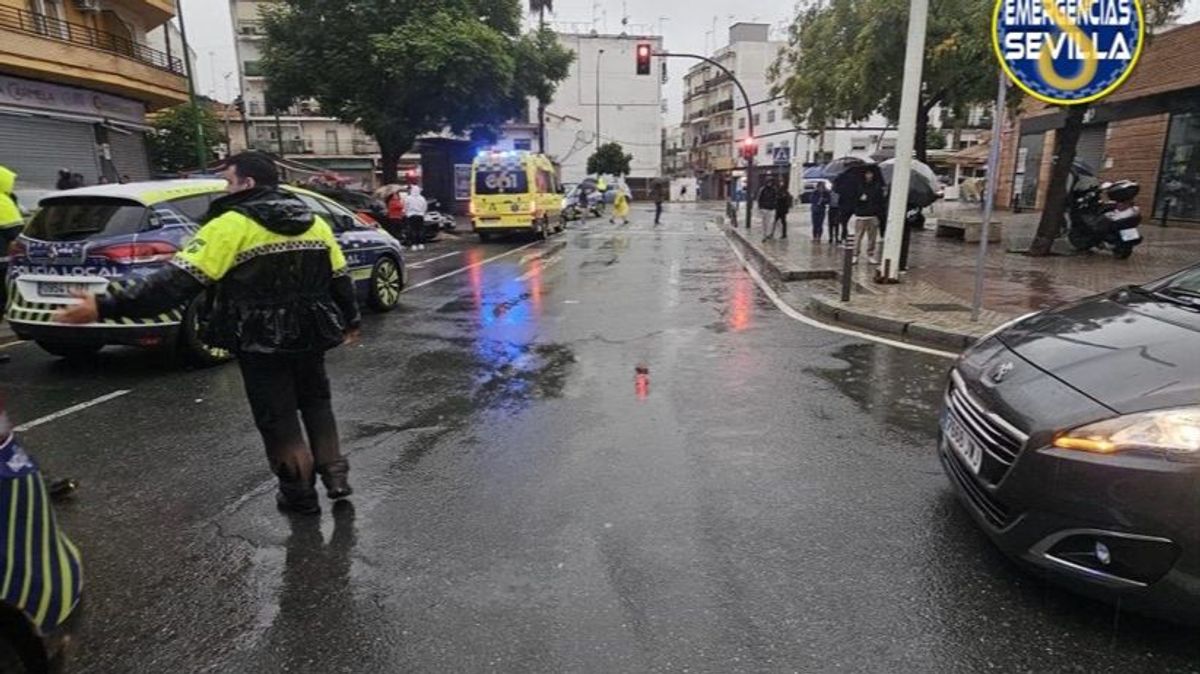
937,292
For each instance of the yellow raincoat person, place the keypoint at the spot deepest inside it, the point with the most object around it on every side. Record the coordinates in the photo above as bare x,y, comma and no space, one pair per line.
621,204
11,219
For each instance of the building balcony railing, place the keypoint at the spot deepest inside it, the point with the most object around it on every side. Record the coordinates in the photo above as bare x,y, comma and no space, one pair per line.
717,137
317,148
51,28
252,29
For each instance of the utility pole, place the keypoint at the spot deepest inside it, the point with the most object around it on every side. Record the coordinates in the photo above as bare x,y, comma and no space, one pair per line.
599,54
910,93
541,103
201,144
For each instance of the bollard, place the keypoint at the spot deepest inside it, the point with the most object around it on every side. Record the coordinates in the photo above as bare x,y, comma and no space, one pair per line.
847,265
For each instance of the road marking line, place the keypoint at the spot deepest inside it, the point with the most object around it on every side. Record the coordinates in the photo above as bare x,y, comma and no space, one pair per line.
796,315
423,263
547,262
70,410
10,345
456,272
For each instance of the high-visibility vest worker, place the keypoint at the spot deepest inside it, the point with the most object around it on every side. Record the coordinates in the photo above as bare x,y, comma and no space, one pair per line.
10,215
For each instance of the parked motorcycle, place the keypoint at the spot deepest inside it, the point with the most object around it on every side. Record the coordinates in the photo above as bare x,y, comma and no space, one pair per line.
1103,215
437,221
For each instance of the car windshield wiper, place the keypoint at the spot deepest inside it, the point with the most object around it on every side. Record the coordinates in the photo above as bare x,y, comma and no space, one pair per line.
1176,295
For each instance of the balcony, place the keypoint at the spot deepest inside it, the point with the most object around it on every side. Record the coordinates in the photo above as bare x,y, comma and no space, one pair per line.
250,30
71,53
317,148
717,137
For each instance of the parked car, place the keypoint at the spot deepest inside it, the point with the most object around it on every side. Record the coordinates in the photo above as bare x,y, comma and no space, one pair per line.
361,203
92,237
1072,436
41,572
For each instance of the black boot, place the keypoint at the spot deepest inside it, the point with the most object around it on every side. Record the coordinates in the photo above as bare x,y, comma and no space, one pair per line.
336,480
297,497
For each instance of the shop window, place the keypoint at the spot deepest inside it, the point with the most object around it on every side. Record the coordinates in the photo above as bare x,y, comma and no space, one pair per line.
1179,181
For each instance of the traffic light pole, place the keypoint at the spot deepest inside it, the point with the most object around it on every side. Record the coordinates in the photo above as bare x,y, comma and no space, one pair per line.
749,125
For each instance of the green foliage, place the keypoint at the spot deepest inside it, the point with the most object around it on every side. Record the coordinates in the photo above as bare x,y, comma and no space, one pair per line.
172,146
402,69
609,159
845,60
935,139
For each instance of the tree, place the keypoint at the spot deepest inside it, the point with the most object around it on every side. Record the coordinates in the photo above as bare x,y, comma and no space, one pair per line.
935,139
1066,143
609,159
172,144
845,62
403,69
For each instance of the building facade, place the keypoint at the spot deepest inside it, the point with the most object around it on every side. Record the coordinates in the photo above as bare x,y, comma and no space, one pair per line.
77,78
1148,130
674,151
604,100
301,133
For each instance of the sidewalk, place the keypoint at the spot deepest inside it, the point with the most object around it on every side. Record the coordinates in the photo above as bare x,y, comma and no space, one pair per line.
933,302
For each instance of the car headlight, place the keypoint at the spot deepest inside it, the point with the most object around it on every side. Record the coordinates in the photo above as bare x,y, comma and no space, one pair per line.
1173,430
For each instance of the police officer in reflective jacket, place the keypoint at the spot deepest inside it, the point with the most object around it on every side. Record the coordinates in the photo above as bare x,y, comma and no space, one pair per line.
281,297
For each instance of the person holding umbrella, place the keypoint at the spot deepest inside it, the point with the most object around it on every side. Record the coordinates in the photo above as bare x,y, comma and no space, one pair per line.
819,203
868,206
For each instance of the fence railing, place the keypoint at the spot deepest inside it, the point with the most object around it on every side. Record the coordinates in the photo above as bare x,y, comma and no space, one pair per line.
76,33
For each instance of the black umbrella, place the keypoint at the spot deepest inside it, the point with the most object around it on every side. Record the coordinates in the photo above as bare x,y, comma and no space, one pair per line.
922,182
840,165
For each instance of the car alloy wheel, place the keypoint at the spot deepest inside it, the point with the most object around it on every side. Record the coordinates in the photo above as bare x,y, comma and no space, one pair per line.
385,285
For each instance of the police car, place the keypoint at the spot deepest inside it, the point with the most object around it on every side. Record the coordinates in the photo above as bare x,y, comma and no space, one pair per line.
89,238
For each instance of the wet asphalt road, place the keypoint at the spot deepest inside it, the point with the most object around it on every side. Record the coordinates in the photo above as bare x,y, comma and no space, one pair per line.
766,499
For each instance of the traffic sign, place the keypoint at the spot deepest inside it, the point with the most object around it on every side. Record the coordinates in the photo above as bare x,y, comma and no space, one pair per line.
782,155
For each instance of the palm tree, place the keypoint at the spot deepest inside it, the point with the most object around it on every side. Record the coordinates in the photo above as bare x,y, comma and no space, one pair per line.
540,7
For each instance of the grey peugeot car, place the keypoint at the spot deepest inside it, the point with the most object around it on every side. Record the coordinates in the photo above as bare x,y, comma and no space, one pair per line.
1073,438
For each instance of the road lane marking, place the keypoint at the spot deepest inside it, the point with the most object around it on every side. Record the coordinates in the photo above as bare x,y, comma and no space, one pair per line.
547,262
423,263
9,345
70,410
796,315
460,270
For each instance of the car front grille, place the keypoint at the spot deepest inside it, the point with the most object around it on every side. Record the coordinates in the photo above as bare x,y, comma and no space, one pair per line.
992,510
1000,440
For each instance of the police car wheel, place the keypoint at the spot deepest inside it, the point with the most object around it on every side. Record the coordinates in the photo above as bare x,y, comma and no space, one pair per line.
73,352
191,348
386,283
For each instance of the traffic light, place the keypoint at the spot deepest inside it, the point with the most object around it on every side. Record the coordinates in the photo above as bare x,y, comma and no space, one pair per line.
644,52
749,148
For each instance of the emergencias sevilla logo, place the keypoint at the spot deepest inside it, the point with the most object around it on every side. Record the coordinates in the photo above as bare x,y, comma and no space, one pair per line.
1068,52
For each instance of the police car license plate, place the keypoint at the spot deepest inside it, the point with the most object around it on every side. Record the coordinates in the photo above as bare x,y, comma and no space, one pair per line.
1130,234
962,443
60,288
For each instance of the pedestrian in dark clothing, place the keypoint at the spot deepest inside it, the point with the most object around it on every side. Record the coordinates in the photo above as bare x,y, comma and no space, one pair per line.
836,233
658,192
767,196
869,209
819,203
281,297
783,205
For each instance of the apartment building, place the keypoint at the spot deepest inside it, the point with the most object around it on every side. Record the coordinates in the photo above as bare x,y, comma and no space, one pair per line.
77,78
300,133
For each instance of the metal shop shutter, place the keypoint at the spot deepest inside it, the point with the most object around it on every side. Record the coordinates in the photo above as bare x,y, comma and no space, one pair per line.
1090,150
36,147
129,154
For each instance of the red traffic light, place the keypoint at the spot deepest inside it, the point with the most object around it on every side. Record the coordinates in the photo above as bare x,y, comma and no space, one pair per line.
644,52
749,148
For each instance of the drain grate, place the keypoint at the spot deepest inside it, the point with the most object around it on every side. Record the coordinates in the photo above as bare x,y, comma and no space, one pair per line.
935,306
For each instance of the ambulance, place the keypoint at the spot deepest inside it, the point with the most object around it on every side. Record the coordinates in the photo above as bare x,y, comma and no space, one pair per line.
515,191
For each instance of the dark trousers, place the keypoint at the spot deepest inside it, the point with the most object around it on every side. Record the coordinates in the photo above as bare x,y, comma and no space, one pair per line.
415,224
781,220
283,391
818,222
657,211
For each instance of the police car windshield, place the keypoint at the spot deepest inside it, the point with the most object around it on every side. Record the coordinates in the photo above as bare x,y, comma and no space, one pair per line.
78,218
506,181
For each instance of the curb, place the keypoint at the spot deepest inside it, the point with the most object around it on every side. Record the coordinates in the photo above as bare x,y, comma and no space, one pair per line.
833,310
769,266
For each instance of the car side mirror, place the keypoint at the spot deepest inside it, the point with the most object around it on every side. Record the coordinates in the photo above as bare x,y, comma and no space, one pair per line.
344,221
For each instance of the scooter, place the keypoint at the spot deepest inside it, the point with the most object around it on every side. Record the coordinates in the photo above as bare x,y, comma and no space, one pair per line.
1103,215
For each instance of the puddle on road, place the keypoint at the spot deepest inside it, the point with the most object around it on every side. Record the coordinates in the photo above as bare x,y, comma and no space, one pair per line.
893,386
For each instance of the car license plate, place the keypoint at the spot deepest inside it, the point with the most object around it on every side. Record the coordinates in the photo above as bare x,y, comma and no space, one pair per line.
60,288
1130,234
962,443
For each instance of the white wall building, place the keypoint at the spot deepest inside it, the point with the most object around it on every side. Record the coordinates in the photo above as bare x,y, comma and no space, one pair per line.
629,105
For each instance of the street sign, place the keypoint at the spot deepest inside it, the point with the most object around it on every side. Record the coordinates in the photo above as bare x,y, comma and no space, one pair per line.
782,155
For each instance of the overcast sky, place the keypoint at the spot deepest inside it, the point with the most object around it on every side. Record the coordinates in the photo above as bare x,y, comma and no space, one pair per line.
687,25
